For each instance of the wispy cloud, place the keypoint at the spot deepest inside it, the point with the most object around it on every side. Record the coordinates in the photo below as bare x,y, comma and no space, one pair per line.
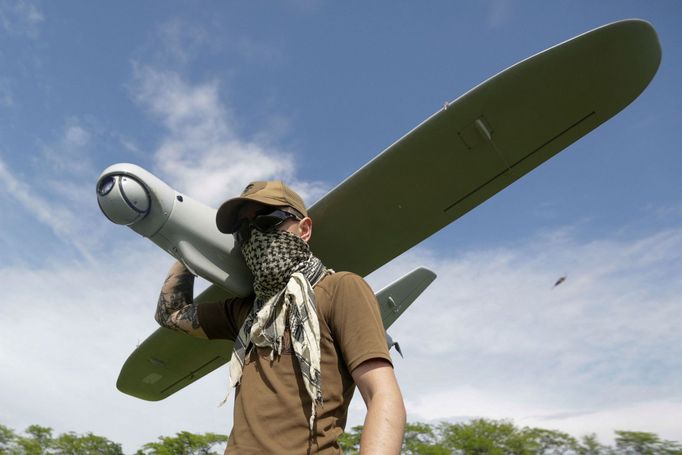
180,41
76,136
58,217
202,152
68,151
21,17
59,193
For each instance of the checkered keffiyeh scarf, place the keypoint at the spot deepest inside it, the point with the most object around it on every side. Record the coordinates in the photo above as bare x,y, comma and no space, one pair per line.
285,272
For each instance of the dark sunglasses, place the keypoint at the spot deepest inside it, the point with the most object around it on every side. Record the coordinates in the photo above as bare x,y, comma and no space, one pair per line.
264,222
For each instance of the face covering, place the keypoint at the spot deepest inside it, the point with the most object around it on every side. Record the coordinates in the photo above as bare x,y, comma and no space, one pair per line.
284,273
272,258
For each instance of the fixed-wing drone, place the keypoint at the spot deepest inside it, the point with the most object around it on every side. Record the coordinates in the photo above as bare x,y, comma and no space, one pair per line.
459,157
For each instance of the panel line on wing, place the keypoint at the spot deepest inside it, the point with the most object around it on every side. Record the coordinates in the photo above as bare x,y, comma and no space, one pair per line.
556,137
191,374
552,139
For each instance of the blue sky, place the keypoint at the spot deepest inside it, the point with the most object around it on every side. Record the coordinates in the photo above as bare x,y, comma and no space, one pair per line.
210,96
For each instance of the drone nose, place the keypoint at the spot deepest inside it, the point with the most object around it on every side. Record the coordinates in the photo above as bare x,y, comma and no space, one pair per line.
122,199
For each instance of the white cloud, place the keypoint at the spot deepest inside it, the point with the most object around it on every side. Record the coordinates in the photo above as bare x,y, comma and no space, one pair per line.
202,153
64,222
69,153
493,338
56,188
655,416
76,136
69,328
21,17
310,191
466,402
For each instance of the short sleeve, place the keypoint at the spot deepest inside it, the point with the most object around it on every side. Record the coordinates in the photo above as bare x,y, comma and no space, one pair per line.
356,322
222,320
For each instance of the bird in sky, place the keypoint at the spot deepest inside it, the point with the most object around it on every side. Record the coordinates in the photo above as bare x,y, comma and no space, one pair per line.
559,281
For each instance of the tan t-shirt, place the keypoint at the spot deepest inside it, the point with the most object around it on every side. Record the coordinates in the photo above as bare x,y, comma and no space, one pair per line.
272,408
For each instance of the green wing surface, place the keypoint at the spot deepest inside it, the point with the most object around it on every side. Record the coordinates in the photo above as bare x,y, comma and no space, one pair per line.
168,361
481,143
459,157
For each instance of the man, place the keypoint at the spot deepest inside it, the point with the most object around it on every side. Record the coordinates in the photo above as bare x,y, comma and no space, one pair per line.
302,343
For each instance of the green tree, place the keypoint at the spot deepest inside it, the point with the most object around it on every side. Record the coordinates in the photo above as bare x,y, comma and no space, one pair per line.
8,440
350,441
642,443
589,445
73,444
422,439
37,441
478,436
184,443
482,436
549,442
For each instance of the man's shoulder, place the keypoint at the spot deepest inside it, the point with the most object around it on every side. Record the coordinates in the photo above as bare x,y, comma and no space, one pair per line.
341,287
333,281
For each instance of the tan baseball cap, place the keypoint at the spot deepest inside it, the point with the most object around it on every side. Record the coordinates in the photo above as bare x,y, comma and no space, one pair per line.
275,193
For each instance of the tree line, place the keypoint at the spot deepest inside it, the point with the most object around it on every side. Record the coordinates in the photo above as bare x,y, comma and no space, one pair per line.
474,437
38,440
502,437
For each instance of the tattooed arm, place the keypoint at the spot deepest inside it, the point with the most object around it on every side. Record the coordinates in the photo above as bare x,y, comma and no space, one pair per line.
176,308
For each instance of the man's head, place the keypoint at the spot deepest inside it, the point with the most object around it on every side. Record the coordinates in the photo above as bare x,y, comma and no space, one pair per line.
262,204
